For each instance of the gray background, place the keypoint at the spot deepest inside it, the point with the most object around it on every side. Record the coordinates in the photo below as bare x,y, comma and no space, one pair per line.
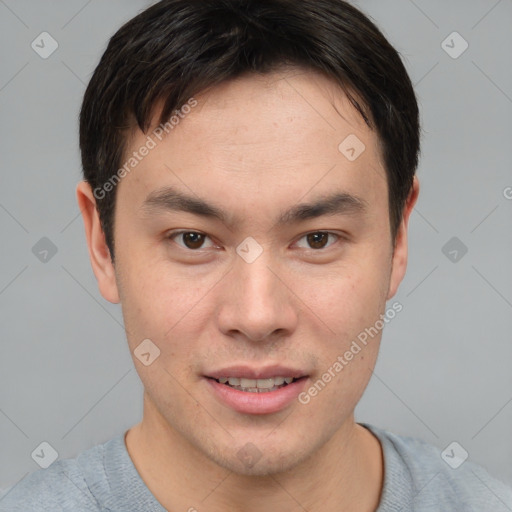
444,371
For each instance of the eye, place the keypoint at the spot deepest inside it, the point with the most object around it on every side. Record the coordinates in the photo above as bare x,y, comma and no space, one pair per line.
318,239
192,240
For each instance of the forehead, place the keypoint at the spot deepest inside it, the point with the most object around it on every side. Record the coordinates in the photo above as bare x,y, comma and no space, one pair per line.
288,132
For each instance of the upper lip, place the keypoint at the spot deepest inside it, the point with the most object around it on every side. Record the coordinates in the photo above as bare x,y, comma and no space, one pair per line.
248,372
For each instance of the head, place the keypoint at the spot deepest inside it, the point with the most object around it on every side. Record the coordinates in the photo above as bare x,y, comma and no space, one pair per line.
292,123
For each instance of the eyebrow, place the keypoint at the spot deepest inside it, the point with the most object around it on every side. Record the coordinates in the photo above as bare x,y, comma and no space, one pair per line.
168,199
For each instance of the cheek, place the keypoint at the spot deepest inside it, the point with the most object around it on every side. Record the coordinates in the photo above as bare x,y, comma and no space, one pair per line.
351,304
159,305
159,286
174,309
346,301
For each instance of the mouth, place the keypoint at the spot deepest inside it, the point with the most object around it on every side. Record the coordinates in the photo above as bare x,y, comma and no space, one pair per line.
257,385
256,391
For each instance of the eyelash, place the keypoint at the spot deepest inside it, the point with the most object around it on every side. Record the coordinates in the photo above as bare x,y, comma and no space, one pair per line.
175,234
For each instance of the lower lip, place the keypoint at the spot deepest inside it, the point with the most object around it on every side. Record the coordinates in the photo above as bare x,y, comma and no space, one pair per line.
257,403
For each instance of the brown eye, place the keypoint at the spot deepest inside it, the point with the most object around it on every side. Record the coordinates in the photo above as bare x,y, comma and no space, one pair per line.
191,239
318,240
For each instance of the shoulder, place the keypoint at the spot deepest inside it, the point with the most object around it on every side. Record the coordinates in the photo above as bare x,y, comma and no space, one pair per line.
62,487
420,477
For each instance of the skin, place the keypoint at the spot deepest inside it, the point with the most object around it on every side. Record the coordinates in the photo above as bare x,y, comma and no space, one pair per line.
254,147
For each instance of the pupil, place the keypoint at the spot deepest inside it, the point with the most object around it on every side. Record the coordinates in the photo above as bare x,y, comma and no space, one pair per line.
195,243
314,242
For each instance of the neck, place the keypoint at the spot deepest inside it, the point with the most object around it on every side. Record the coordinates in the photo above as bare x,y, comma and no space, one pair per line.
344,474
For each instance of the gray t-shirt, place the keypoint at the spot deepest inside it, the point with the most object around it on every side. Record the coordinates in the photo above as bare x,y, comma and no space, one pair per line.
103,478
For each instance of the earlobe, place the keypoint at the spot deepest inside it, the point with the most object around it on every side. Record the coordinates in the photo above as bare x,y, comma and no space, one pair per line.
399,263
99,253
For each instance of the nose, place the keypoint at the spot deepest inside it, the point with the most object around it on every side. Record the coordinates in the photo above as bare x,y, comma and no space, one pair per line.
256,301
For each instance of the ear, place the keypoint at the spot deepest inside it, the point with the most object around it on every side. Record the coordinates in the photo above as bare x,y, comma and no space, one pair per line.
399,263
99,253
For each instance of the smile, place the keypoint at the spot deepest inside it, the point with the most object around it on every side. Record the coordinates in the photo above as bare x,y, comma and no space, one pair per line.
256,396
256,385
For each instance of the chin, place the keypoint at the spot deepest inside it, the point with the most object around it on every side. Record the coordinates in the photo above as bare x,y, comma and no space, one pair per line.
259,459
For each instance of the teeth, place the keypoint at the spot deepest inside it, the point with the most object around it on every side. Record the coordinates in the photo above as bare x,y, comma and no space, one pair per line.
264,383
254,384
247,383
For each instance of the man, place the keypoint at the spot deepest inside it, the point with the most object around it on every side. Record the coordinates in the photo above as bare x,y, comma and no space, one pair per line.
249,176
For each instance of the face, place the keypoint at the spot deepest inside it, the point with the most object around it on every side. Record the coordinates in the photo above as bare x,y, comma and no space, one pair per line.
260,281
